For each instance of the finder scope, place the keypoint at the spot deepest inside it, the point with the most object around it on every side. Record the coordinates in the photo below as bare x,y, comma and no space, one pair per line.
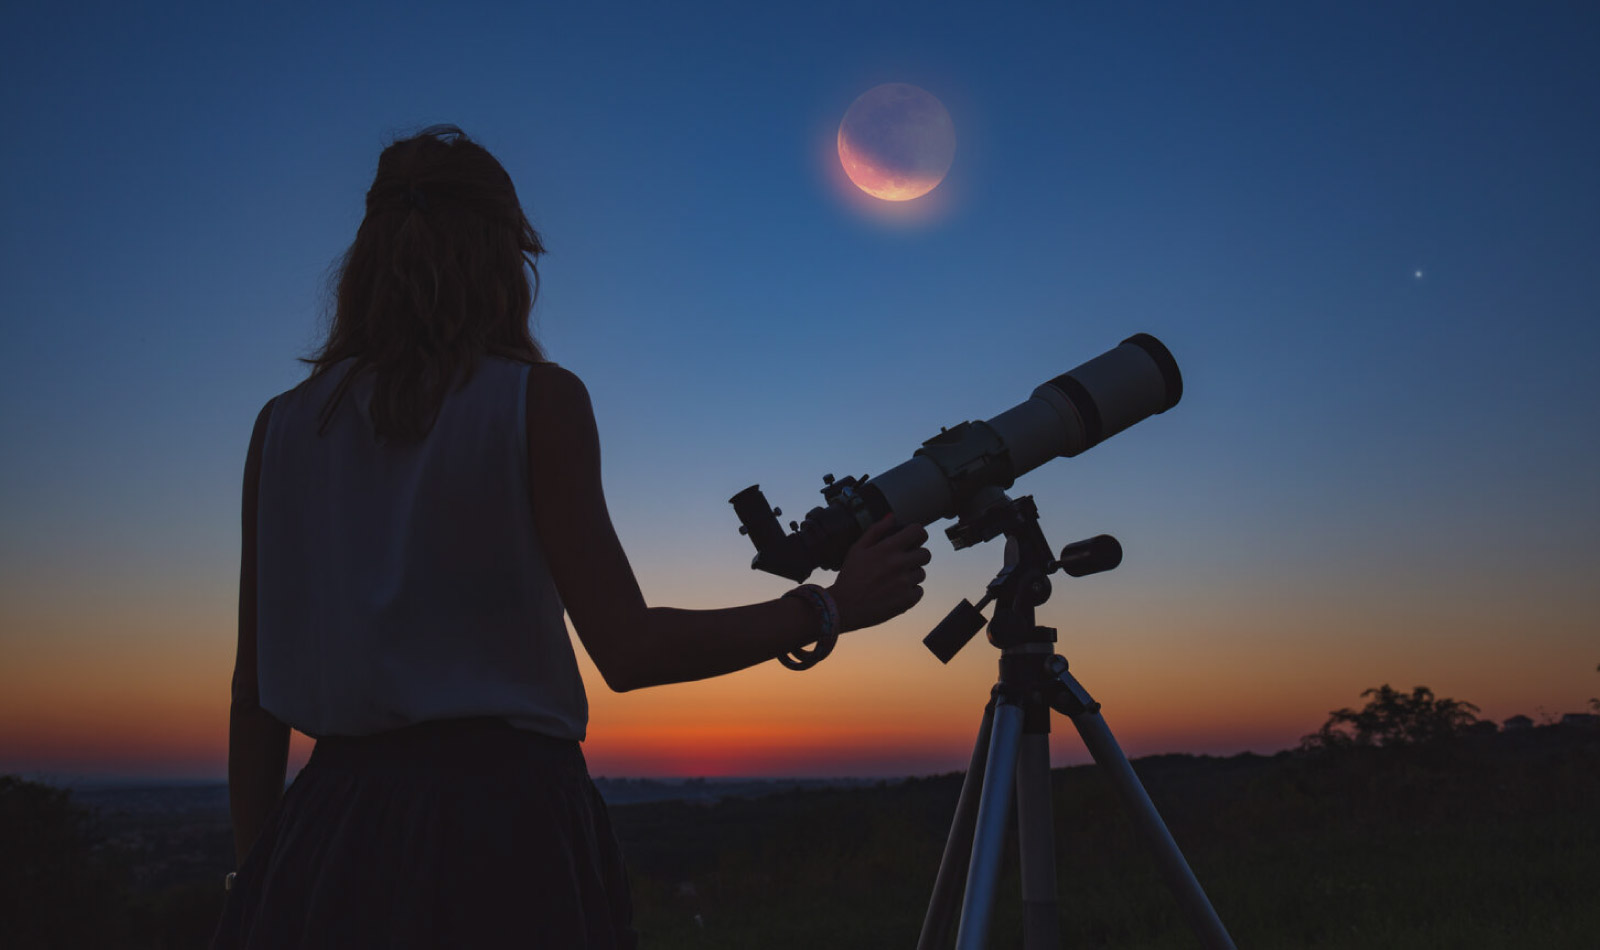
1073,412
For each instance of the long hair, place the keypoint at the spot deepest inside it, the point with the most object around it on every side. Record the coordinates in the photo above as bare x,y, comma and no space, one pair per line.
442,272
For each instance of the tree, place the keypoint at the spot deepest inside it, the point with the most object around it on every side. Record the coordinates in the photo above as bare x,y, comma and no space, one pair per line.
1393,718
55,891
1594,702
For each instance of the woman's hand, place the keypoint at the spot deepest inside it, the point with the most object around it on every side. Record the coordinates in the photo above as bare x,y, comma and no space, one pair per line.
882,574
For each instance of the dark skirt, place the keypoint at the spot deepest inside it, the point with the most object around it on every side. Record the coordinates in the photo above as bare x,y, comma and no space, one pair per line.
464,833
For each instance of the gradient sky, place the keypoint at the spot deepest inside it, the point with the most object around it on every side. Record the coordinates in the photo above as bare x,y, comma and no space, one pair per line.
1373,477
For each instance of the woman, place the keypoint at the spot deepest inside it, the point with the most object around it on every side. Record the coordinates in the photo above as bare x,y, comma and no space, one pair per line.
417,516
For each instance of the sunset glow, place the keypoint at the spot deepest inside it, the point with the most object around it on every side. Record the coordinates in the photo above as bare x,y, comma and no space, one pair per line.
1367,233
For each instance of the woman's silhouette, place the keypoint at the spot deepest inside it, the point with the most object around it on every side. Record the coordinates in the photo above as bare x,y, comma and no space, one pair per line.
418,515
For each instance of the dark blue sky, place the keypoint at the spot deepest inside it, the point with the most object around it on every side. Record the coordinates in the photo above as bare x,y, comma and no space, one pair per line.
1373,475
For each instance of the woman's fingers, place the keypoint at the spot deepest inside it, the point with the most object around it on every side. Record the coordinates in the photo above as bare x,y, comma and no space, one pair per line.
876,532
906,560
913,556
912,536
882,573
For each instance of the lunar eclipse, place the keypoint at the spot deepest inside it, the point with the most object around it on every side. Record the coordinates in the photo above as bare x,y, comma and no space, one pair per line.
896,142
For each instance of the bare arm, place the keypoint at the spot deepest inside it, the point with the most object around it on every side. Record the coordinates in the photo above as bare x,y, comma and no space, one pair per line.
258,744
635,645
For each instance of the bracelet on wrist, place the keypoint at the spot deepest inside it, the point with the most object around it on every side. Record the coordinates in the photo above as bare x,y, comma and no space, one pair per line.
828,614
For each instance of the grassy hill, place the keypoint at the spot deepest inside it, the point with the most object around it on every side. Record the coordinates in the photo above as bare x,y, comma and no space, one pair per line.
1483,841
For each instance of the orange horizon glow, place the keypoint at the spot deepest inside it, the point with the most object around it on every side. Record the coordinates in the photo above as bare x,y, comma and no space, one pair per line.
752,724
157,748
146,693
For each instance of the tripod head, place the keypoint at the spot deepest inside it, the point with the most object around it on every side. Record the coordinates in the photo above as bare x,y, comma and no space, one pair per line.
1024,580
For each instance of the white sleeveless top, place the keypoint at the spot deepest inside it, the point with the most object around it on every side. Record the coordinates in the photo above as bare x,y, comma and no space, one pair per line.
399,583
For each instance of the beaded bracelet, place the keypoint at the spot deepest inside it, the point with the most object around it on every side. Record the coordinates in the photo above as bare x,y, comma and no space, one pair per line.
822,601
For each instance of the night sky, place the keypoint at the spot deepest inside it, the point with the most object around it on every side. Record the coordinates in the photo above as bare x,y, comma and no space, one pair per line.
1369,233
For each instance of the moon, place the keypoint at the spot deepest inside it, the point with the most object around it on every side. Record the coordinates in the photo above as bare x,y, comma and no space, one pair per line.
896,142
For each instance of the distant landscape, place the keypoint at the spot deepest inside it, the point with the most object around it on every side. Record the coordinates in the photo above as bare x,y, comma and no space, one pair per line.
1483,838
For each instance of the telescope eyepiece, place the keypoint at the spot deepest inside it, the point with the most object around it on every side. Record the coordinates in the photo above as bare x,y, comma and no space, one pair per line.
776,553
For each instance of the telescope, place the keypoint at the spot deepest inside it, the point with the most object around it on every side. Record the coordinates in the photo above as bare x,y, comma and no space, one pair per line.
963,473
1065,416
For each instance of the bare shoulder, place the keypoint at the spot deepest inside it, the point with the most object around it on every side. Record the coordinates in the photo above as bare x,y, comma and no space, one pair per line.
265,413
258,434
560,417
554,389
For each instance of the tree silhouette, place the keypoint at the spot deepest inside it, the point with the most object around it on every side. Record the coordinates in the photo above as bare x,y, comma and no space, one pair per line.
1594,702
1393,718
55,890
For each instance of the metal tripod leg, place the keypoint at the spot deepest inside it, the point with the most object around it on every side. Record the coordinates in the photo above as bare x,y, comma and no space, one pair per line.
989,835
1085,715
1036,837
1041,924
957,847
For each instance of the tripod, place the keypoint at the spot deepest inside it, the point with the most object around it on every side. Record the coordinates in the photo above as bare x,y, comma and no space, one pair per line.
1012,754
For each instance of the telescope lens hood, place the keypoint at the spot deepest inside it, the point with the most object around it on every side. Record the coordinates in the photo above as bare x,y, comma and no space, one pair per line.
1164,361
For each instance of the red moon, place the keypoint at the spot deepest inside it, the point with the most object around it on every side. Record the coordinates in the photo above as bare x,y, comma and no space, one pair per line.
896,142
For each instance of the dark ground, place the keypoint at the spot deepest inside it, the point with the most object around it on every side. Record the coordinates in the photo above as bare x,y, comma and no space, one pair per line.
1481,841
